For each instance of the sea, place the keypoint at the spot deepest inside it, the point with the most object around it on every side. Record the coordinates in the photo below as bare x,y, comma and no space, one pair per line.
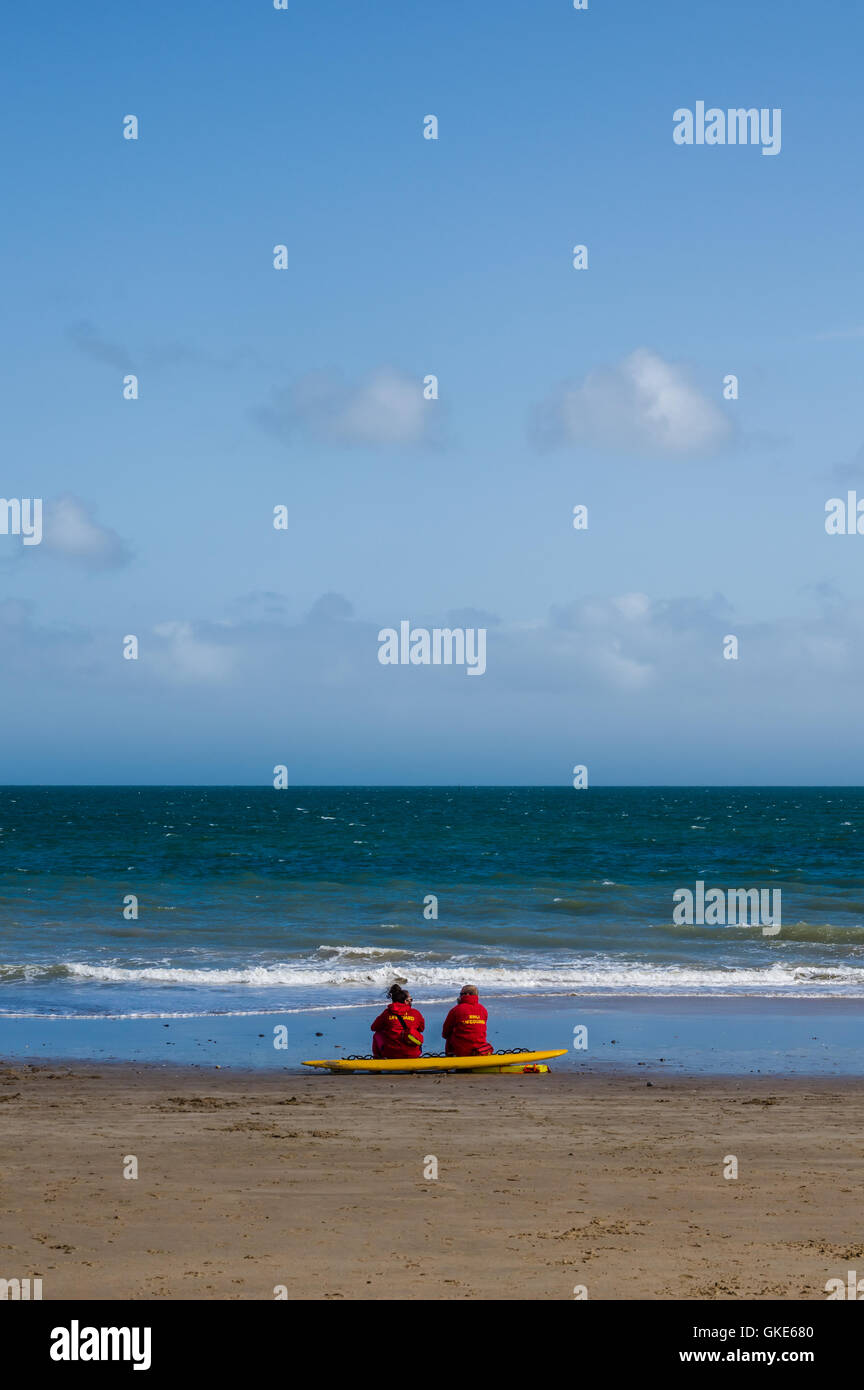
206,903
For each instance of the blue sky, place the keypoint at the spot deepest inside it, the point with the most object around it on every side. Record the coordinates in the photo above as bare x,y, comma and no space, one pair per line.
452,257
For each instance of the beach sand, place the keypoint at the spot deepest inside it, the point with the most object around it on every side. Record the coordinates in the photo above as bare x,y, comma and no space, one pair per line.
249,1181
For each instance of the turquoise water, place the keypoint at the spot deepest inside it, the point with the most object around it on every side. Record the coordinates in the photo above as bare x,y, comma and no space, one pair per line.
254,900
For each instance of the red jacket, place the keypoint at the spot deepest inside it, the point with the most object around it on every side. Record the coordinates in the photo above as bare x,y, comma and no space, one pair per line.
465,1028
391,1035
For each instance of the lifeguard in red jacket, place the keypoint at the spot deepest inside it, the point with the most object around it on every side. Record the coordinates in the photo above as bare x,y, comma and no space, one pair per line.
398,1031
464,1028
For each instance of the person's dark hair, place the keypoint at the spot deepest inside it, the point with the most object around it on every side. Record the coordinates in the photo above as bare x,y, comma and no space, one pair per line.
397,994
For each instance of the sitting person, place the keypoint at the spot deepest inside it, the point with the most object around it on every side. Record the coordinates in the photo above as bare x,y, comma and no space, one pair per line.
464,1028
398,1031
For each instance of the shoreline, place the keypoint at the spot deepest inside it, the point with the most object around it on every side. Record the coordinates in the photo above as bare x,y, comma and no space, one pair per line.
684,1035
617,1076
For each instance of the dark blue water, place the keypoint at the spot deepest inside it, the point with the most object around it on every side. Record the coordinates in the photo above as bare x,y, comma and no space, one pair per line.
253,899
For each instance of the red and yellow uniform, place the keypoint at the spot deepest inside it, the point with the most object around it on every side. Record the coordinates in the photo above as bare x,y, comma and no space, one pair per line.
390,1038
465,1029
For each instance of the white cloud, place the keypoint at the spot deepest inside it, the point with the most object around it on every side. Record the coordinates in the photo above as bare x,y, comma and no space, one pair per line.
663,655
639,683
387,408
186,656
632,605
644,404
71,531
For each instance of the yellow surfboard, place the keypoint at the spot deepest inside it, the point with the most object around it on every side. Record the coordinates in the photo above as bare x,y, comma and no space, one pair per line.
495,1062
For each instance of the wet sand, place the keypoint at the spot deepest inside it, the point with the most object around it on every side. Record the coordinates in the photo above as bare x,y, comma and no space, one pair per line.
724,1035
248,1182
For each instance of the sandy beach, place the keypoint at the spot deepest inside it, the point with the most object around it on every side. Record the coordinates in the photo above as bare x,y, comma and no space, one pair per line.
322,1185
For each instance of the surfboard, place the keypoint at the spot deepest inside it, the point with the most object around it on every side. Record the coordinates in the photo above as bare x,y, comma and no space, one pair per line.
495,1062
